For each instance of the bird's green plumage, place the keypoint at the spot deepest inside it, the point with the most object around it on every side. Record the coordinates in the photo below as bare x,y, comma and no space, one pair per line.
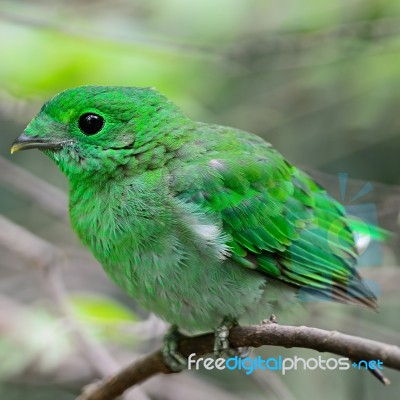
196,221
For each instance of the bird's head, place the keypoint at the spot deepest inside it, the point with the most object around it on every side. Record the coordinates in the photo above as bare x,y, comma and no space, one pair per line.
95,129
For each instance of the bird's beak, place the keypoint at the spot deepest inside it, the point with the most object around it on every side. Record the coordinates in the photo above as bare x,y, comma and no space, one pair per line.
25,142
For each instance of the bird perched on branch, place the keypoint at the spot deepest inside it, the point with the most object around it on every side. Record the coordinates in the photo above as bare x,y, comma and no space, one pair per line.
202,224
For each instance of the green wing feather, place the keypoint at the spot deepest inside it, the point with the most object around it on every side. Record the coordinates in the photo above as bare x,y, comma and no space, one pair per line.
278,219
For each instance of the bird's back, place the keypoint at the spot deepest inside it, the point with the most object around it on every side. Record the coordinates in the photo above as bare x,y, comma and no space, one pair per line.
278,220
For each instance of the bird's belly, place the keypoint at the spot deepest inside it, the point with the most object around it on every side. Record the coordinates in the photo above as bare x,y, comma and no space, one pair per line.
185,284
195,297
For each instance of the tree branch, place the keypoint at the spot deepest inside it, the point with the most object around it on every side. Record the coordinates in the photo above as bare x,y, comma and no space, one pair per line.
352,347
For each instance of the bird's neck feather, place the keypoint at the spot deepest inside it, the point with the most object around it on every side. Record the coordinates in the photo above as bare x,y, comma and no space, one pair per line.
107,216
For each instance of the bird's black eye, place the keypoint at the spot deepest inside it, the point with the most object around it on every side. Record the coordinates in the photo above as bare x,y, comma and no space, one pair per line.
90,123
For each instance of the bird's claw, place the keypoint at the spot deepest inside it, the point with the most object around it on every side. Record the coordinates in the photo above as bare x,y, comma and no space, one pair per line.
178,362
221,342
172,357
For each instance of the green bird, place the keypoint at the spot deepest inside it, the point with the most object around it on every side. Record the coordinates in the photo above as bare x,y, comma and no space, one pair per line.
202,224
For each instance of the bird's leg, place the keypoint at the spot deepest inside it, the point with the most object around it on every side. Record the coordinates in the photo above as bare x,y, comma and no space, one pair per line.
221,342
175,360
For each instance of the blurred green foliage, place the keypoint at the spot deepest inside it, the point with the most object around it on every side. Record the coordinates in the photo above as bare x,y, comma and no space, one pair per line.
103,316
319,80
307,76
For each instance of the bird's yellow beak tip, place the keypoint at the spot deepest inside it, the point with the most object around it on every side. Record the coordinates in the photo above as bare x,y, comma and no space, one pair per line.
15,147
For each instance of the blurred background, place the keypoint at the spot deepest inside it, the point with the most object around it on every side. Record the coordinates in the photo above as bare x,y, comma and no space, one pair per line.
319,80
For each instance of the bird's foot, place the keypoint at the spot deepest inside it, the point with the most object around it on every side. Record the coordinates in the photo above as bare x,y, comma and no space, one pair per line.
221,342
172,357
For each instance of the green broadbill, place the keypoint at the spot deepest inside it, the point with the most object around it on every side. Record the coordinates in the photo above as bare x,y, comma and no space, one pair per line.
197,222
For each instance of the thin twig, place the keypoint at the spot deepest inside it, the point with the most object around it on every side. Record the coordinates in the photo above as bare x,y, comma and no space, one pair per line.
187,49
276,42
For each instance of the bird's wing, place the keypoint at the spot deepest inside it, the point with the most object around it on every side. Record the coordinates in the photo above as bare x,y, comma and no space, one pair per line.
278,220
